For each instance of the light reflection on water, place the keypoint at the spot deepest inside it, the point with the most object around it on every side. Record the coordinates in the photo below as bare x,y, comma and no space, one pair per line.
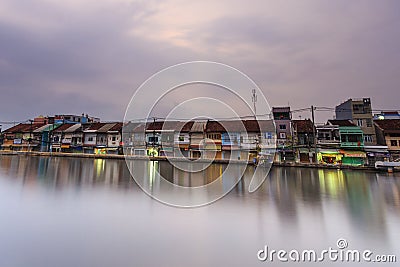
89,212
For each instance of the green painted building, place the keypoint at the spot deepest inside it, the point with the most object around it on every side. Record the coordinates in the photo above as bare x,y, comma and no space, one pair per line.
352,145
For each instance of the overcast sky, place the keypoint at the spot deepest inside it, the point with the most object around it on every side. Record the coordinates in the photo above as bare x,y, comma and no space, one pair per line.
90,55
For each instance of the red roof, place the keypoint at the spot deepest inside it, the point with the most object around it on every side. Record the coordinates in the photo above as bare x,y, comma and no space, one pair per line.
162,125
214,126
239,126
117,127
187,126
23,128
341,122
389,126
96,126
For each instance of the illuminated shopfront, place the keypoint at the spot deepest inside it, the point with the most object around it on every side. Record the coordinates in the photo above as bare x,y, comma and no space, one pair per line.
353,158
333,157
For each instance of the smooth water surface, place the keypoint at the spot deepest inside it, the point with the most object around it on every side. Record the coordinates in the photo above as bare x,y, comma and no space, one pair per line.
90,212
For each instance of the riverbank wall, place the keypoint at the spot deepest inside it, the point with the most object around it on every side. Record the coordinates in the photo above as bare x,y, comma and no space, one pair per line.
220,161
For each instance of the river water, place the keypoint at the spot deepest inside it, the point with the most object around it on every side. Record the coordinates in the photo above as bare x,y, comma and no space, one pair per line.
90,212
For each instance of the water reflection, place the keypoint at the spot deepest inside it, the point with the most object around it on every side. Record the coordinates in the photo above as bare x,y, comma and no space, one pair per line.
295,208
61,172
363,193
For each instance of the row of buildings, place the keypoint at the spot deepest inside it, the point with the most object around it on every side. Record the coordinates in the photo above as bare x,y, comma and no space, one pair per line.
239,139
355,137
245,139
64,133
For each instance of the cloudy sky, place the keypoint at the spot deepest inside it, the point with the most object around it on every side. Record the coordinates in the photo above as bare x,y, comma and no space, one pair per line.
90,55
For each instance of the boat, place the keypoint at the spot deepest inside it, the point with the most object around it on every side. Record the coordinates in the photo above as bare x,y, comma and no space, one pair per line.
388,165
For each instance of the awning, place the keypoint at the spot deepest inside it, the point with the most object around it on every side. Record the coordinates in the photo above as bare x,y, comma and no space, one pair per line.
354,154
329,151
376,149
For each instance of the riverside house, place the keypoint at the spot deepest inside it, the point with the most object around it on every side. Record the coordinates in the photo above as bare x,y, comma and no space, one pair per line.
96,138
197,135
212,145
182,139
68,138
282,117
21,137
351,142
160,138
303,138
134,139
114,139
328,143
388,134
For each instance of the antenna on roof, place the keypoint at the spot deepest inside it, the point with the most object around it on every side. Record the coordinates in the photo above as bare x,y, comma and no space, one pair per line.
254,100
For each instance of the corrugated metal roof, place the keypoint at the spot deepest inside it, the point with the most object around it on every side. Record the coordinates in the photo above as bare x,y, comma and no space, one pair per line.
73,128
117,127
134,127
105,128
23,128
40,129
63,127
389,126
95,126
341,122
198,126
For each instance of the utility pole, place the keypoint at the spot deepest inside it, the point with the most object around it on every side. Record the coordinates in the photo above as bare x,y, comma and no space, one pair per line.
314,134
154,136
30,135
254,100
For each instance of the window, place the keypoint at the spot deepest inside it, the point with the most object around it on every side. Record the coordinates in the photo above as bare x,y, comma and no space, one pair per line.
368,122
181,138
234,139
359,122
282,135
114,138
153,139
358,108
214,136
282,126
90,138
351,138
393,142
368,138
